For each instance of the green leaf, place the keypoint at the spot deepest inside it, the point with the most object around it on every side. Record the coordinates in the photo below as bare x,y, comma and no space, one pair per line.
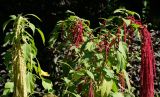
109,73
42,35
114,87
8,88
33,16
90,46
117,94
13,17
128,22
99,56
123,49
32,27
106,87
8,40
90,74
5,24
76,95
26,51
121,56
77,75
30,82
121,62
137,34
53,38
47,84
68,82
127,80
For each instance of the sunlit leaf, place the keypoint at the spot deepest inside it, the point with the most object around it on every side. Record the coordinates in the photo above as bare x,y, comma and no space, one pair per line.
44,73
137,34
8,88
30,82
47,84
114,87
32,27
76,95
118,94
42,35
106,87
33,16
128,22
90,74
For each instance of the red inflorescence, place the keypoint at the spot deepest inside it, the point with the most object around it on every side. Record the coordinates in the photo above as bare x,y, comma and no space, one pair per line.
125,31
147,65
78,33
147,71
91,91
122,81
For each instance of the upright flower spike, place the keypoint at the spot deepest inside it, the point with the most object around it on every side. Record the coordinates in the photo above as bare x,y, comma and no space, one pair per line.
147,65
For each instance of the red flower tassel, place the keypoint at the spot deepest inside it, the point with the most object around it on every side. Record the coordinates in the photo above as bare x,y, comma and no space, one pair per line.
122,81
91,91
78,33
147,71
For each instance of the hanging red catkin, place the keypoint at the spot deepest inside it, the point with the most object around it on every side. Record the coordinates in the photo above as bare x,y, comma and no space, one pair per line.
147,65
78,33
91,91
125,31
122,81
118,34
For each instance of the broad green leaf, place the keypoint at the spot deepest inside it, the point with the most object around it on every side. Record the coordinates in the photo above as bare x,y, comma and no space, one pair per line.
27,53
41,34
106,87
85,62
99,56
114,87
90,74
118,94
30,82
8,88
121,56
47,84
121,61
123,49
90,46
137,34
109,73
